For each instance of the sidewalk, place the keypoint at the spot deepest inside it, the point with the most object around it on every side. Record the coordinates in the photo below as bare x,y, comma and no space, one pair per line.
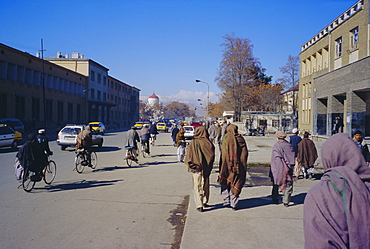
258,223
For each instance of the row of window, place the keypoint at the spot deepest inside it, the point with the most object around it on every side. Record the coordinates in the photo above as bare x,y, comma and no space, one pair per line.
353,42
113,85
16,73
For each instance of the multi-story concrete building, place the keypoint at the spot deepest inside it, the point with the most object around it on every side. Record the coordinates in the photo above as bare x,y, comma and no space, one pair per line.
40,93
126,99
335,76
110,101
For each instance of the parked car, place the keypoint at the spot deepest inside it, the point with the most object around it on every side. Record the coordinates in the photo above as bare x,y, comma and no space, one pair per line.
161,126
9,137
98,127
13,123
139,124
189,132
67,136
196,124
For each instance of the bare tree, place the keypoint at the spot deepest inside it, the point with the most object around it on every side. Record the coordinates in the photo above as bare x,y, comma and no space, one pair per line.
239,72
290,80
177,110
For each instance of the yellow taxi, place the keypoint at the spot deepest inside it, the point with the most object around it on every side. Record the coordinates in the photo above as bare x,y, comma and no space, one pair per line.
98,127
9,137
161,126
139,124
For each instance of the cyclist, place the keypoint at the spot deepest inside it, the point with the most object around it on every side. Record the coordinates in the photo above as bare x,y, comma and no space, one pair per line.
132,138
44,142
145,134
153,132
84,141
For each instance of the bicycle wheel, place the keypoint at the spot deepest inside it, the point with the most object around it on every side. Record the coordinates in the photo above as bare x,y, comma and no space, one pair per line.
143,150
50,172
78,162
27,183
128,158
94,160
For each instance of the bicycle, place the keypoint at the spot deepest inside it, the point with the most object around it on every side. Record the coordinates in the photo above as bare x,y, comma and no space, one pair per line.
47,174
144,149
152,139
81,160
130,156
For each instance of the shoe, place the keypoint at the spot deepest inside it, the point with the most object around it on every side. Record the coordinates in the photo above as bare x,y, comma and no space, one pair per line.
206,205
233,208
286,205
226,204
200,209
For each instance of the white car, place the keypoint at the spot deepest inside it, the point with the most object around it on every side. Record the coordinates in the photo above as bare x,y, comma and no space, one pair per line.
67,136
189,132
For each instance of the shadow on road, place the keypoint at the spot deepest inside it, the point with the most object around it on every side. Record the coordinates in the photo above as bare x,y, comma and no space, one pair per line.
157,163
107,149
163,155
77,185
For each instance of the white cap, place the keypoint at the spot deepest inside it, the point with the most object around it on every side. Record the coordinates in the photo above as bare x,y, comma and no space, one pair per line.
295,130
41,131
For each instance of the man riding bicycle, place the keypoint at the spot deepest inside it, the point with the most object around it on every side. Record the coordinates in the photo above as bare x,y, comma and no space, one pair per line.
145,135
132,138
84,141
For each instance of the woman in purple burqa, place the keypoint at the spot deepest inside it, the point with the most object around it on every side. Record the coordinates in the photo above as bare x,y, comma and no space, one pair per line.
337,209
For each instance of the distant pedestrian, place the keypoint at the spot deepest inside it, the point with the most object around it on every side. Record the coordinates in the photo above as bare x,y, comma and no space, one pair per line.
174,132
362,145
281,172
307,155
181,144
336,212
294,141
233,170
199,158
337,125
213,132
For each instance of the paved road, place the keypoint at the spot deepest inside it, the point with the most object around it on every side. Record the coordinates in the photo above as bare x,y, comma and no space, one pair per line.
113,206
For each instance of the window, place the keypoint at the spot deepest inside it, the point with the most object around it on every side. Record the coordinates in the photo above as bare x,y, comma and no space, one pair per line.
92,94
99,78
338,47
353,38
92,76
49,110
104,80
35,109
99,95
70,112
275,123
60,111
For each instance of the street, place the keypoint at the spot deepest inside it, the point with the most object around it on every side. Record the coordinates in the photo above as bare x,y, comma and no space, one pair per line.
113,206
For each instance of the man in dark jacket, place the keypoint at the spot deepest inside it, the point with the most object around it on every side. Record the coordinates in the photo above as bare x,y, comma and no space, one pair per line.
357,137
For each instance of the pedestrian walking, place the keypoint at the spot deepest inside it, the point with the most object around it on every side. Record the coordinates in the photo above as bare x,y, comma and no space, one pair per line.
307,155
362,145
199,159
232,176
336,211
294,141
181,144
282,164
213,132
174,132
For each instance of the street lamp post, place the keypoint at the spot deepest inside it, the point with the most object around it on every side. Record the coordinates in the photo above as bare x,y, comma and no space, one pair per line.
199,81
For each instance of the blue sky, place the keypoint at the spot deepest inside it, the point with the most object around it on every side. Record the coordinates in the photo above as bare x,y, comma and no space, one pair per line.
163,46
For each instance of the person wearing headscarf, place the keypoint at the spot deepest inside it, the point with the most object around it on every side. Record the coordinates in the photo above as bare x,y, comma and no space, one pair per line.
31,155
199,159
336,212
145,135
232,176
281,172
181,144
307,155
174,132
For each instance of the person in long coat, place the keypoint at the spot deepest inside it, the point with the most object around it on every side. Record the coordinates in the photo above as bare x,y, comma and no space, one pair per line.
337,209
307,155
199,159
232,176
181,144
31,156
282,164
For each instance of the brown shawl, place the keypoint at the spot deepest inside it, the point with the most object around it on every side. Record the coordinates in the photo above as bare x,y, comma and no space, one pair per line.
234,155
180,138
307,153
201,153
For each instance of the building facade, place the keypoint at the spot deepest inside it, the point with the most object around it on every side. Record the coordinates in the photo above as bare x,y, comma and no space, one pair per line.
334,77
110,100
40,93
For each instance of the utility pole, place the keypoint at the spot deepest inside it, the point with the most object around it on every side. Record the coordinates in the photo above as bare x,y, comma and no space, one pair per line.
43,82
